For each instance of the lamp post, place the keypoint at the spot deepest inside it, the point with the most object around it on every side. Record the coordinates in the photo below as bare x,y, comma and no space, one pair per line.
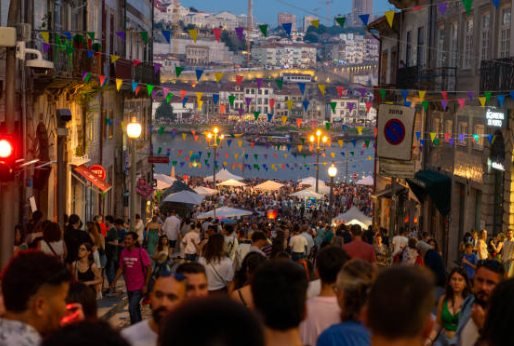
332,172
134,130
320,140
214,139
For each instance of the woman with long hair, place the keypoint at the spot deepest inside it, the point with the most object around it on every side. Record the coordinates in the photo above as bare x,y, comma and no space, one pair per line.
153,229
52,242
98,242
450,304
85,269
481,248
161,255
219,268
244,276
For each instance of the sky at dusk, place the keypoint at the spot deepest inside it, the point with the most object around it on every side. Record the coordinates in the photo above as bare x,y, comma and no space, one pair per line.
265,11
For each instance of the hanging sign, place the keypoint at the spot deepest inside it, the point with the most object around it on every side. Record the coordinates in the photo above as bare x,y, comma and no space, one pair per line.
495,118
395,132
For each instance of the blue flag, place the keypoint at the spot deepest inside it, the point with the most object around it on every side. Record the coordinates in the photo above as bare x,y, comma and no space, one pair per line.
184,101
134,86
301,86
287,27
364,18
305,104
167,35
501,100
199,74
215,98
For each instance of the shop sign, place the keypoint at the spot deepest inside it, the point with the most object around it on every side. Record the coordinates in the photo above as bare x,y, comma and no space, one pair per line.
495,118
99,171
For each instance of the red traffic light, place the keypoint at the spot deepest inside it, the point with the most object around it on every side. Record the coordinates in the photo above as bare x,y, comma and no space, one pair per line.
6,149
7,157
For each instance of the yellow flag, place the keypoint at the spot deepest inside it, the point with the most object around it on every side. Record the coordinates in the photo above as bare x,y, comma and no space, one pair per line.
236,156
184,135
389,17
218,76
482,100
284,119
119,83
322,88
225,163
432,136
422,94
194,34
340,142
289,104
240,143
324,163
199,96
370,158
315,23
300,147
200,104
359,130
45,36
332,155
114,58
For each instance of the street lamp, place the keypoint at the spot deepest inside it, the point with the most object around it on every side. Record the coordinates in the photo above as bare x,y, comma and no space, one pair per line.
321,141
332,172
214,139
134,130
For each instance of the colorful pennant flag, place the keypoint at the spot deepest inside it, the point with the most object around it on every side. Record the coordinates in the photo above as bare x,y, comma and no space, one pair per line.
217,33
341,21
194,34
389,17
287,27
264,29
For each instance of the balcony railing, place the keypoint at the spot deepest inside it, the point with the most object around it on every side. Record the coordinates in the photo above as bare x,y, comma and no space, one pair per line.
497,75
440,78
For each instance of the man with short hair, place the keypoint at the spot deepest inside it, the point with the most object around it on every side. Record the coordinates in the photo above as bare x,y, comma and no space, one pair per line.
111,249
399,307
279,289
323,310
488,274
400,242
231,243
196,279
34,287
136,267
171,228
167,293
259,241
298,245
358,248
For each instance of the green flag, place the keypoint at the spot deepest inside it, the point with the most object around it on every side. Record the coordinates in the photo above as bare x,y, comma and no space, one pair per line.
178,70
91,35
425,105
161,130
366,142
382,94
487,95
256,114
333,106
169,97
468,4
231,99
341,21
327,125
264,29
280,83
144,36
149,88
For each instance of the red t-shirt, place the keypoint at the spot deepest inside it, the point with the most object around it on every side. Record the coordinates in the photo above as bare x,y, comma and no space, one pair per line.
134,271
360,249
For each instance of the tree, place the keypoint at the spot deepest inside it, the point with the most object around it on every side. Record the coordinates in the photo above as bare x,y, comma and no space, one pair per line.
164,111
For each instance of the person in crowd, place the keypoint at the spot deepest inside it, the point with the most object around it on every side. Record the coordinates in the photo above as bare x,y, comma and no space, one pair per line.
307,233
259,241
52,242
19,239
34,224
466,239
219,268
190,243
85,269
469,260
231,243
139,228
80,296
496,246
488,275
167,293
112,250
481,246
73,237
508,254
298,245
322,309
153,229
410,254
85,333
497,330
162,255
98,242
196,279
433,261
399,307
353,284
34,288
99,220
279,289
450,304
278,243
382,252
399,243
171,228
223,322
243,293
136,267
358,248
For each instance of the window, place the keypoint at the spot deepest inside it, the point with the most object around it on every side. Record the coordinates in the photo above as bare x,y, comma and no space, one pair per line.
485,34
504,36
441,53
467,57
436,126
408,49
462,133
448,130
420,53
478,130
453,49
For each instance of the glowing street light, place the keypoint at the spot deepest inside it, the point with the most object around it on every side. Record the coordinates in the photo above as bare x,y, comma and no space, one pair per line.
134,130
320,140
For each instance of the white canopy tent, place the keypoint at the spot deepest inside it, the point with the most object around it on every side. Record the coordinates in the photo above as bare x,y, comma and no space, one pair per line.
163,181
223,175
307,193
311,181
367,181
184,196
269,185
232,183
357,222
225,212
353,214
205,191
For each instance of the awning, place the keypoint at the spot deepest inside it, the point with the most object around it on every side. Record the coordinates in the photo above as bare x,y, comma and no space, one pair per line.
434,184
92,178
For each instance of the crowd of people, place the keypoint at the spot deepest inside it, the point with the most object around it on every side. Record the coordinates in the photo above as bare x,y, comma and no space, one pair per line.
295,279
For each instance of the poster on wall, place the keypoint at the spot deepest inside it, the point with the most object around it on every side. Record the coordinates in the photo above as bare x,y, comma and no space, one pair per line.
395,132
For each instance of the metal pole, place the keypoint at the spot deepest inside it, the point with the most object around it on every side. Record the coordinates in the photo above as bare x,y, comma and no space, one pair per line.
331,199
7,211
392,215
214,172
61,173
132,211
318,149
346,173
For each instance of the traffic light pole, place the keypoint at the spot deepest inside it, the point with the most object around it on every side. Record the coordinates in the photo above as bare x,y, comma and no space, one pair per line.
7,189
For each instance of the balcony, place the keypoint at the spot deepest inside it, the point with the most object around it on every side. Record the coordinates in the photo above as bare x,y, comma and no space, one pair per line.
435,79
145,73
122,69
497,75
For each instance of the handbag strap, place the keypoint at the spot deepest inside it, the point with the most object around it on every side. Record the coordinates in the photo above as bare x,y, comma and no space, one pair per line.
51,248
218,274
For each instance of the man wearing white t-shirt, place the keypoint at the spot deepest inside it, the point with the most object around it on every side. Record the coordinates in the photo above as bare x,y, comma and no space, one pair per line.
400,242
323,310
298,245
171,228
167,293
190,243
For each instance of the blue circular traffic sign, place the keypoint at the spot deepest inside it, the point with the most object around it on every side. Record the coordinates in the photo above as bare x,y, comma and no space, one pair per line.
394,131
